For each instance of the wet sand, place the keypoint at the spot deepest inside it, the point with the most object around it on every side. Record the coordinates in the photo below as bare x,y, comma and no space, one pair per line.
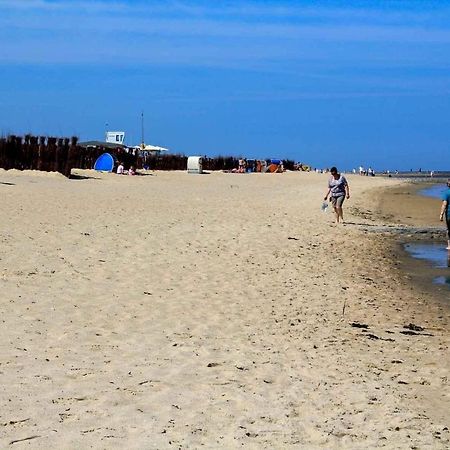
215,311
403,204
419,215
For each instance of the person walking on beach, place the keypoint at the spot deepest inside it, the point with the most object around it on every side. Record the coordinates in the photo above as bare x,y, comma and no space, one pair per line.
445,211
338,190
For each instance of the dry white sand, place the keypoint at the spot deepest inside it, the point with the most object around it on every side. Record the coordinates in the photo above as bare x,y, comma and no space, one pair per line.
185,311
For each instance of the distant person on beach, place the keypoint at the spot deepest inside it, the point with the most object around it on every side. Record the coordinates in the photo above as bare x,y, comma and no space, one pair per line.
131,171
242,164
445,210
338,190
120,169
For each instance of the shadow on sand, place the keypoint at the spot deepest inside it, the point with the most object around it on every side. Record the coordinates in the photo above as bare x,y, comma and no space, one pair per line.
74,176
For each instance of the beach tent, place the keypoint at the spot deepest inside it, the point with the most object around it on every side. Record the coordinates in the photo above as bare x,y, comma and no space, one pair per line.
251,165
100,144
275,166
154,148
147,150
105,163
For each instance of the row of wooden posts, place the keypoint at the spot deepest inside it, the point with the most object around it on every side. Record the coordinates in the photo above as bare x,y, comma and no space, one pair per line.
49,154
53,154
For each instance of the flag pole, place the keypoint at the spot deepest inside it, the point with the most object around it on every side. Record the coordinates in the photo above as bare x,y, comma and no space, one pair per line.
142,130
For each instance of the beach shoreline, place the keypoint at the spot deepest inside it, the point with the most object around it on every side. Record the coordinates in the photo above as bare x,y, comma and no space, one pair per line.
218,310
404,206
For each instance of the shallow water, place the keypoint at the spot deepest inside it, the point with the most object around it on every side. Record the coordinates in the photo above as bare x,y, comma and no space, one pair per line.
434,191
435,253
437,256
442,280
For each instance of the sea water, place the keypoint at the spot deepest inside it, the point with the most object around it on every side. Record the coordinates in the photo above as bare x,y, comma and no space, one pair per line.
434,253
434,191
442,280
437,255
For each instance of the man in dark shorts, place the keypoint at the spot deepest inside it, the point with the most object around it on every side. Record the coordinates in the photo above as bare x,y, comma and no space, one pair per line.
338,190
445,210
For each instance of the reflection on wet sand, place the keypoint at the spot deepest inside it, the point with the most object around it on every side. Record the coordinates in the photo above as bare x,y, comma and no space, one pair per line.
432,252
437,256
445,280
442,280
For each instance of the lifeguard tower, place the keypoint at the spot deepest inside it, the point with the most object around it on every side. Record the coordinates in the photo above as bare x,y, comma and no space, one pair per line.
115,137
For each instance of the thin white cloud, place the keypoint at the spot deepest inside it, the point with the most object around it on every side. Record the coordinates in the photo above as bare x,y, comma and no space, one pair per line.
249,35
244,9
147,26
42,5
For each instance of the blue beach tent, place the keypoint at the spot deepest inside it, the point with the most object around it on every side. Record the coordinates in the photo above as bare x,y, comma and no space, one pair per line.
105,163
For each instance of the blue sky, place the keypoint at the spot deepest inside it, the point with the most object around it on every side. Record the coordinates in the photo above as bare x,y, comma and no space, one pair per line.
323,82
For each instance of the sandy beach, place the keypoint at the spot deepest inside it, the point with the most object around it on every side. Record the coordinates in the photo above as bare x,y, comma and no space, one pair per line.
215,311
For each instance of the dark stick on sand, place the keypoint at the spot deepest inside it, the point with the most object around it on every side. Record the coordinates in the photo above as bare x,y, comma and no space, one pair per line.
24,439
